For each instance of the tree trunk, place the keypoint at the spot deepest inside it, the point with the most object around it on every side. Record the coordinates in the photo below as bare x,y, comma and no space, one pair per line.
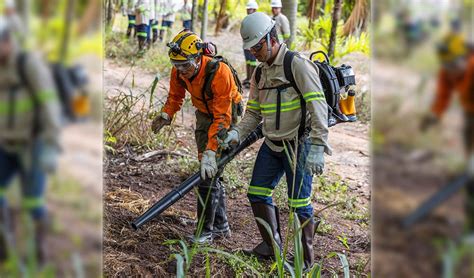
204,20
290,10
194,15
109,13
335,19
90,18
68,18
311,13
221,16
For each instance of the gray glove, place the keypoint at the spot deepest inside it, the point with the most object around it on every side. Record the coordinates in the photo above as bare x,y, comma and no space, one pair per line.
315,160
48,158
160,121
231,139
208,165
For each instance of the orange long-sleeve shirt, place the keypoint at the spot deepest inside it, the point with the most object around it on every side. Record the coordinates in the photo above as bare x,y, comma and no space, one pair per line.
224,91
446,87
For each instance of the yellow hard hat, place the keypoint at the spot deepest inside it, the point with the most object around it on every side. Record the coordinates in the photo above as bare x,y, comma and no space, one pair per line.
185,45
453,47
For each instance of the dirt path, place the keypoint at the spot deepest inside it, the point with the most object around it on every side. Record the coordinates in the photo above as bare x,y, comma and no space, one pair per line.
408,169
130,187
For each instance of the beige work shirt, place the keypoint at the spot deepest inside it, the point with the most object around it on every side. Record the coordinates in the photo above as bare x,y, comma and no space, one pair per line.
17,106
262,104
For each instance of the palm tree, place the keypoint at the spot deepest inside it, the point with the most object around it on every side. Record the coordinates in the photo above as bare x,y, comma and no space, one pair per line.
204,20
358,19
335,19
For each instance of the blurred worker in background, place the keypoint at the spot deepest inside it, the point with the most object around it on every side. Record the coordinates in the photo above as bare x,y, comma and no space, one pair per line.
250,60
186,14
29,124
457,75
142,10
128,9
169,9
282,23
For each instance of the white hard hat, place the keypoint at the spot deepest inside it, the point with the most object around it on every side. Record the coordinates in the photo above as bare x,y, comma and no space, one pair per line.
254,27
276,4
252,5
10,4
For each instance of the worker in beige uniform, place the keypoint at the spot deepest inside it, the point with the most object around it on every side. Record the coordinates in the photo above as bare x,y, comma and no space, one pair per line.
18,29
30,119
295,121
282,24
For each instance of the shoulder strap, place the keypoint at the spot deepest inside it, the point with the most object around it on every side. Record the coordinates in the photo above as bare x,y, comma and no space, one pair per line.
21,68
210,71
258,74
287,61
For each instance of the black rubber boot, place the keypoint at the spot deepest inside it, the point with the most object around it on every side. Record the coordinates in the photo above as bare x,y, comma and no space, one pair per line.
5,231
269,214
162,32
221,225
155,35
141,43
470,207
41,230
307,236
206,213
246,81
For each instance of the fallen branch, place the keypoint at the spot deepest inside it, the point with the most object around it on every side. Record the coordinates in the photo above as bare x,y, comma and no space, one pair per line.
155,153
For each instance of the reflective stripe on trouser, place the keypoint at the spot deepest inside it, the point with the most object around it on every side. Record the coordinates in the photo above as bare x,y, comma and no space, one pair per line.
33,179
131,21
268,170
249,58
215,190
142,30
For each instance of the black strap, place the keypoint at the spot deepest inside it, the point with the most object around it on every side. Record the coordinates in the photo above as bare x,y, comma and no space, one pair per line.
287,61
21,67
211,69
278,112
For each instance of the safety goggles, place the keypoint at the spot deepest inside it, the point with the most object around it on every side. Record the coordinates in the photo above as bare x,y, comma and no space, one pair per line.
258,46
183,66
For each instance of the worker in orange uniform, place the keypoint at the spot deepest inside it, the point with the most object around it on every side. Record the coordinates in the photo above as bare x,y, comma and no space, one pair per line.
217,102
457,75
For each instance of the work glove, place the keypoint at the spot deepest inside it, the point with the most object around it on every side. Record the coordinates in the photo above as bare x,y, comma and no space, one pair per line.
315,160
160,121
208,164
48,158
428,121
232,139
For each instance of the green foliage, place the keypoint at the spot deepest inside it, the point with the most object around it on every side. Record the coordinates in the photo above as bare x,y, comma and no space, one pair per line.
317,38
124,50
343,240
331,189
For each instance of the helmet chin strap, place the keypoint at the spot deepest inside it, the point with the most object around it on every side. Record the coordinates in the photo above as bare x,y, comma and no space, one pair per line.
196,68
269,48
